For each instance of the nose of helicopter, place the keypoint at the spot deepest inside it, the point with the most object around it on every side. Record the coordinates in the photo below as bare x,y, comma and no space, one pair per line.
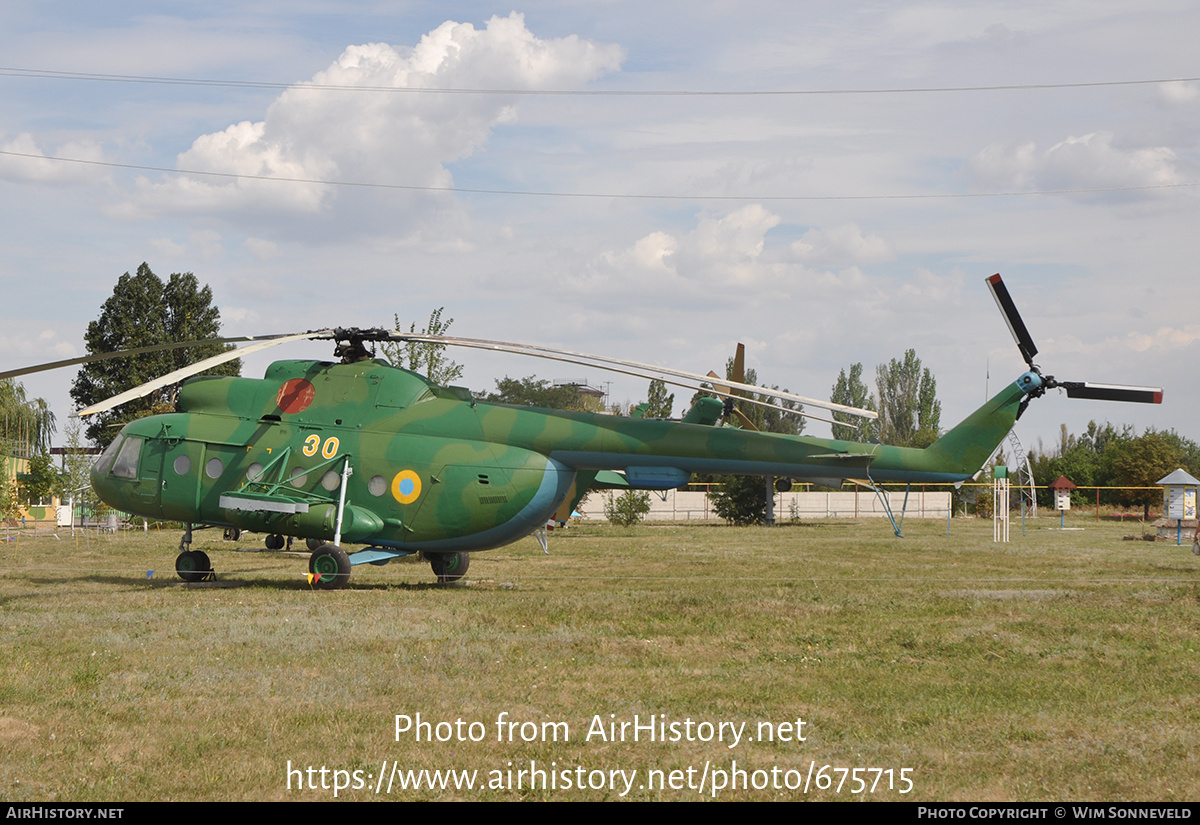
104,487
116,468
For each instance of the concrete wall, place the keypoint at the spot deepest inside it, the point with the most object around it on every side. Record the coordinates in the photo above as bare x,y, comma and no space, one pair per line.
687,506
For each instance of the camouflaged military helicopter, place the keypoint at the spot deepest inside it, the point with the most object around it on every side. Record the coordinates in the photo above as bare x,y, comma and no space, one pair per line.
362,452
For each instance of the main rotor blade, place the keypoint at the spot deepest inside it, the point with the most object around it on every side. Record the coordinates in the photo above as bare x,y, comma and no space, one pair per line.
1015,325
1112,392
642,370
105,356
739,364
198,367
719,388
747,424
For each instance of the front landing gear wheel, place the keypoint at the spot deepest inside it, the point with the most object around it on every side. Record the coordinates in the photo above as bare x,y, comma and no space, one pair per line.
193,566
449,567
330,567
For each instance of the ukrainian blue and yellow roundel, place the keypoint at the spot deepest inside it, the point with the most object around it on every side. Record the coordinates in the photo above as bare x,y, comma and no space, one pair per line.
406,486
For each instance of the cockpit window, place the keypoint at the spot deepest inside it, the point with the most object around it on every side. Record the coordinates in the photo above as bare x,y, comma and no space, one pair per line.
126,464
106,458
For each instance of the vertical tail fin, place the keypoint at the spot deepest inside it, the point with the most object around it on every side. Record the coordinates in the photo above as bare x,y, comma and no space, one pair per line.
968,445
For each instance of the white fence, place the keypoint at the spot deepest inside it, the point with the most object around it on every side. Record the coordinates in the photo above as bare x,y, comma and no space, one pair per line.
689,506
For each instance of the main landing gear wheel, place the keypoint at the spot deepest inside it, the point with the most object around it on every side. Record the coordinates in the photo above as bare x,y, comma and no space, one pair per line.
449,567
330,566
193,566
275,541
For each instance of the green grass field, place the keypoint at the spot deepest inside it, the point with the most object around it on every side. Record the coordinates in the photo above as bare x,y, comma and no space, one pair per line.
1061,666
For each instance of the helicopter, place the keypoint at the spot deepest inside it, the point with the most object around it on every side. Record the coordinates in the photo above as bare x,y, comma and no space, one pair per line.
358,451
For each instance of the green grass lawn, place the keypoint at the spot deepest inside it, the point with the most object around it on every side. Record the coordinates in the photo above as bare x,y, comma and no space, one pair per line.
1061,666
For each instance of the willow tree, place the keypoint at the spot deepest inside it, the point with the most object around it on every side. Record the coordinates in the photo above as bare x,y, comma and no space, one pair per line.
28,425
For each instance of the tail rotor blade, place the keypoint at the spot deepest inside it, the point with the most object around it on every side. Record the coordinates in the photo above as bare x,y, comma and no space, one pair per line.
1112,392
1015,325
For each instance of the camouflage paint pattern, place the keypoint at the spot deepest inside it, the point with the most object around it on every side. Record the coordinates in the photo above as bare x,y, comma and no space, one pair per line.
434,470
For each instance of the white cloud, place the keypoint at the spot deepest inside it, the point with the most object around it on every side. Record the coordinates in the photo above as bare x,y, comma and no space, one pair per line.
1164,338
202,245
719,251
206,244
239,315
930,289
840,246
380,136
30,344
36,169
727,249
1179,92
167,248
1088,162
261,249
653,253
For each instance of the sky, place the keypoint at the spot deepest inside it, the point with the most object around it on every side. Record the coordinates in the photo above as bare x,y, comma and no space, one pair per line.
841,200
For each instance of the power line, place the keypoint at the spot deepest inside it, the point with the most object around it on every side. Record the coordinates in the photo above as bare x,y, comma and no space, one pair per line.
49,74
627,196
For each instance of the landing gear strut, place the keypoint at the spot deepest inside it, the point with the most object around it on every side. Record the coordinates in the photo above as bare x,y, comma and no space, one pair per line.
192,565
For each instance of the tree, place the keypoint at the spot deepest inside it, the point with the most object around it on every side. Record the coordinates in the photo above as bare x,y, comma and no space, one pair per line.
772,415
533,392
740,500
8,499
852,392
75,479
909,412
1142,462
1189,451
28,425
628,508
658,403
779,416
144,311
427,359
1086,460
39,480
27,429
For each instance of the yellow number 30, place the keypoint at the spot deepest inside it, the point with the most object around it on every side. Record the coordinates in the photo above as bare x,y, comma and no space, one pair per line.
329,450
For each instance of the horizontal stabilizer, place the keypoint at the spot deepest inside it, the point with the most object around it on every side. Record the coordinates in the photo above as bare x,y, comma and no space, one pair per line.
849,458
